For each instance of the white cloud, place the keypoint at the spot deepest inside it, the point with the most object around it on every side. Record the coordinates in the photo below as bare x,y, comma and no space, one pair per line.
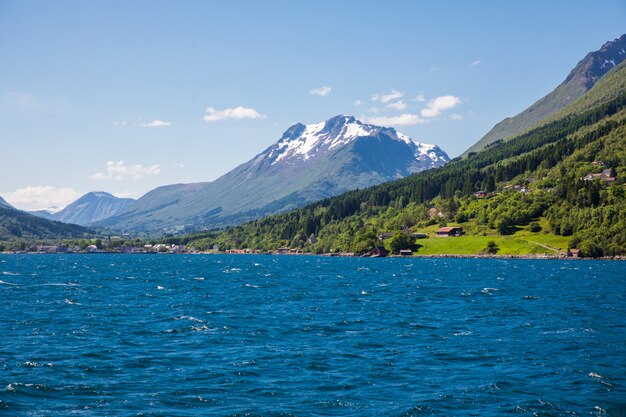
231,113
357,103
27,102
456,117
401,120
398,105
421,98
321,91
433,69
477,62
385,98
41,197
20,99
437,105
118,170
156,123
121,123
178,165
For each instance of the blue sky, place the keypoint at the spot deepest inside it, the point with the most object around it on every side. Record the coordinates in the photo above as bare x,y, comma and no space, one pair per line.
124,96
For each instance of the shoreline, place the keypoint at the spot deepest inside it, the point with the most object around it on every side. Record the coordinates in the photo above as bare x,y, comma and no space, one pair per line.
333,255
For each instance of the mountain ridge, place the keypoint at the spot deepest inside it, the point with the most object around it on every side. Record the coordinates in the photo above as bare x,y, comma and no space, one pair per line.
580,79
20,225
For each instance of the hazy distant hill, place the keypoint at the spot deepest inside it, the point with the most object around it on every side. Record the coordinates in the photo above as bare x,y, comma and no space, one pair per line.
580,80
309,162
92,207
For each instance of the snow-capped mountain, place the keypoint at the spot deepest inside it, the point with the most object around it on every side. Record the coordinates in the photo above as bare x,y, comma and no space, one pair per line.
89,208
302,142
308,163
47,213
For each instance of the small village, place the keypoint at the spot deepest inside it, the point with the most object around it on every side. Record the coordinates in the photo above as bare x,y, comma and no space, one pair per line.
379,251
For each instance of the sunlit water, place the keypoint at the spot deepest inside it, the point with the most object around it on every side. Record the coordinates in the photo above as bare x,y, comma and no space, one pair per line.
176,335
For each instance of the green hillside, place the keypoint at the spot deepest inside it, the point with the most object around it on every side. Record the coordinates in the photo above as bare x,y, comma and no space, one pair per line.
536,202
18,225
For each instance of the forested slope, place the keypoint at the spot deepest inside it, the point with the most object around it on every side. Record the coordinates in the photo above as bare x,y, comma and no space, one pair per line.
16,224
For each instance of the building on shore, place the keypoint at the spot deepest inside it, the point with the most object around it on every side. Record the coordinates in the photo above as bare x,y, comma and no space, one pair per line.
449,232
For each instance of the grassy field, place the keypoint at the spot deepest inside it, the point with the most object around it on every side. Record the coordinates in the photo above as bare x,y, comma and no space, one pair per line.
522,242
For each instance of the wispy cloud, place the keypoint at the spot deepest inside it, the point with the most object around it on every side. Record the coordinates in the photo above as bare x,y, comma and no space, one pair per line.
401,120
437,105
421,98
120,123
321,91
156,123
386,98
357,103
397,105
456,117
433,69
21,99
41,197
477,62
213,115
118,170
29,102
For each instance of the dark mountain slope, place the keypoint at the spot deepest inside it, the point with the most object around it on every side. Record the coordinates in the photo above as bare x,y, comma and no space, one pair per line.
4,204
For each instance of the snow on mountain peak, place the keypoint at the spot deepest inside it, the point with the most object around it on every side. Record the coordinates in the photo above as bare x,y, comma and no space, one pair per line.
100,194
302,142
53,209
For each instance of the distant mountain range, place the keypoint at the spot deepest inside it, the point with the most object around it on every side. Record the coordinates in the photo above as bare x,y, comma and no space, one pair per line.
42,224
16,224
308,163
580,80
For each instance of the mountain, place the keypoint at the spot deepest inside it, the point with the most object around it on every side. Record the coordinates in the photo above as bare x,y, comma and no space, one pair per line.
47,213
4,204
307,163
559,185
89,208
17,224
580,80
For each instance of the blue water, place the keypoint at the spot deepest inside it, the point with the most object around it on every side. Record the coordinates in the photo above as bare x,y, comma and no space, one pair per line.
174,335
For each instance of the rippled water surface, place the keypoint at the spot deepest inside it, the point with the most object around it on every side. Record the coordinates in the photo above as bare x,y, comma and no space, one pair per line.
182,335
